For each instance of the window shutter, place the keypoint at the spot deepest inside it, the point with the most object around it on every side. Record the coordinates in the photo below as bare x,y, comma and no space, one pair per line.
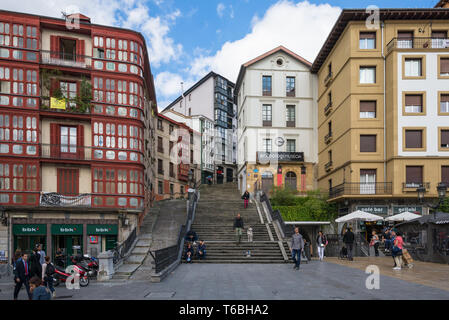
367,172
444,98
80,50
444,65
54,46
80,142
54,140
413,100
367,106
413,174
405,35
413,138
445,175
367,35
445,137
54,85
367,143
439,34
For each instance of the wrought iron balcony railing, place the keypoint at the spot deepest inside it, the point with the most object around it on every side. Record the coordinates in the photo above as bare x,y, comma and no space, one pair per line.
328,78
65,59
328,137
418,43
328,108
328,166
357,188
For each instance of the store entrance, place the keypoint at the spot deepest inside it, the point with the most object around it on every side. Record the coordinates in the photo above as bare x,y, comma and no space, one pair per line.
373,226
26,244
68,245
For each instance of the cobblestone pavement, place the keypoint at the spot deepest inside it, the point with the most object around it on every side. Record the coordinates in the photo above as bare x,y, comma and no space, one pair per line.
316,280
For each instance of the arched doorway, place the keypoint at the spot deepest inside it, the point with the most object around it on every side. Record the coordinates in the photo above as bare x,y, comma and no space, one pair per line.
267,182
290,180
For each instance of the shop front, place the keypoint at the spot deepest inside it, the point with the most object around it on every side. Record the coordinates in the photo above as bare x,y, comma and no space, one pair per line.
26,236
68,239
101,237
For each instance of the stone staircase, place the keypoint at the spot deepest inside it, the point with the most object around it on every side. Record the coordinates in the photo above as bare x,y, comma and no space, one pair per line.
214,219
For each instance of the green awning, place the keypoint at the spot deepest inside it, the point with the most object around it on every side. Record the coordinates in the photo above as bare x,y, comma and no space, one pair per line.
62,229
98,229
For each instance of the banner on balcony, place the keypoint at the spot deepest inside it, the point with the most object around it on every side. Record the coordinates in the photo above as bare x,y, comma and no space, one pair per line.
59,200
56,103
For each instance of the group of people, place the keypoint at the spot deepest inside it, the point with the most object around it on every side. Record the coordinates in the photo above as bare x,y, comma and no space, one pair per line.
191,239
35,273
394,243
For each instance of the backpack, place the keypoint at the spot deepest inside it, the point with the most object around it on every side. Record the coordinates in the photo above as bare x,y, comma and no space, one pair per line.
50,270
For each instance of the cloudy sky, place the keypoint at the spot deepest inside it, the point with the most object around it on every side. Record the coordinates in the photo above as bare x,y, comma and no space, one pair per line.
188,38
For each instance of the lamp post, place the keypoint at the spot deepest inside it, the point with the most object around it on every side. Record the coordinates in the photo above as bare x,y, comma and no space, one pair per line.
441,190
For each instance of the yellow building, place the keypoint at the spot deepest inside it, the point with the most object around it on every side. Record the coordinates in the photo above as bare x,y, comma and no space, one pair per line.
383,109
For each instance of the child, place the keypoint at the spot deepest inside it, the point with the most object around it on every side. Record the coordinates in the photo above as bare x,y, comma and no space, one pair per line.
249,232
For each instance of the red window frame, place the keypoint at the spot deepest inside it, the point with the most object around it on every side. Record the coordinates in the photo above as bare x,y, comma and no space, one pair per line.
55,47
55,142
68,181
22,181
18,129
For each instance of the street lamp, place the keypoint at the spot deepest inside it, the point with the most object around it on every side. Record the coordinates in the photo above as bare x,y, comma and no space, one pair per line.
441,190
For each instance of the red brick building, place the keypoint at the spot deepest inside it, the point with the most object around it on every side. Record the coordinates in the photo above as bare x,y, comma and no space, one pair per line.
77,110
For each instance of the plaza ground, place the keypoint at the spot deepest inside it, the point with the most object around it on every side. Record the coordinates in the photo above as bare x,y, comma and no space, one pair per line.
330,280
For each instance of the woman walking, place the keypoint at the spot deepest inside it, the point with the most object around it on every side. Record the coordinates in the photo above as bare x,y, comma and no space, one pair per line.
48,269
245,198
375,243
321,243
397,250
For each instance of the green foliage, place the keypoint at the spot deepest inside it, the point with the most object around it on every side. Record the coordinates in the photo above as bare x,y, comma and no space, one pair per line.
445,205
313,207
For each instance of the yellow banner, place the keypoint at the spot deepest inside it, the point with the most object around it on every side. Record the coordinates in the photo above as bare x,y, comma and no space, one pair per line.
57,103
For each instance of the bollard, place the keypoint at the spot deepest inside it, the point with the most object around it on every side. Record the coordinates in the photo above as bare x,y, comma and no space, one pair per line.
106,266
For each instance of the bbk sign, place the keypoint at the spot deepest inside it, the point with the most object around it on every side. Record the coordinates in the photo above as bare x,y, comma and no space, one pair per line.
67,229
36,229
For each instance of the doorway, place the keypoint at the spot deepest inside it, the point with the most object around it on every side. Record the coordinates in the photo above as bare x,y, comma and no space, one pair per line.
69,244
291,181
267,182
27,243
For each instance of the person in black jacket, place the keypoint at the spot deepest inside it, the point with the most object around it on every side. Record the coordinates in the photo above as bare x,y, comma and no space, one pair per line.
191,236
348,239
22,276
35,263
245,198
189,253
238,227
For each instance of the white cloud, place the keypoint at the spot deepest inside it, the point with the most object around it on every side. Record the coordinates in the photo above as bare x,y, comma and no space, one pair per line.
220,9
301,27
169,84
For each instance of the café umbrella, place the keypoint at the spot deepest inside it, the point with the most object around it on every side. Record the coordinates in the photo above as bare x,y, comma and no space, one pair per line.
359,215
404,216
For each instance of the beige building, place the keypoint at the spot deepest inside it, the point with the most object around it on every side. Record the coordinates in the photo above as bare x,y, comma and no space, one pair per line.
383,106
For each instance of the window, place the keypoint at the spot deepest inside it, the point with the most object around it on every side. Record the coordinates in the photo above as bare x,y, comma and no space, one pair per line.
367,75
367,181
171,170
68,136
170,129
160,187
290,86
413,139
367,109
267,145
444,139
413,67
438,39
160,166
367,40
68,90
266,115
444,103
68,182
444,67
291,116
4,34
291,145
445,175
414,176
329,155
367,143
159,125
405,39
266,85
414,103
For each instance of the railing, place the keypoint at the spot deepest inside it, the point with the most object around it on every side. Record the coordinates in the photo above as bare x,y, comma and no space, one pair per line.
328,166
355,188
412,186
328,108
121,251
328,137
65,59
287,230
328,78
65,152
418,43
70,106
54,199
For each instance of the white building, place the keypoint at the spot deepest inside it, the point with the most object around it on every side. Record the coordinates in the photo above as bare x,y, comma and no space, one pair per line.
277,120
212,97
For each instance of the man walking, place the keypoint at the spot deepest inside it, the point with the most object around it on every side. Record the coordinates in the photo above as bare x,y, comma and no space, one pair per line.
297,248
42,254
238,227
22,276
348,239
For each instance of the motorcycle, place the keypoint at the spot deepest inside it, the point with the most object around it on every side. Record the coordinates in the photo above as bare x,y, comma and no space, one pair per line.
61,275
89,264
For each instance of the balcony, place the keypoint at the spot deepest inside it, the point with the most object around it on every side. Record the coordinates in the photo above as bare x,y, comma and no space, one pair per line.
418,43
328,108
328,166
65,152
62,59
412,186
70,107
328,79
360,189
53,199
90,200
328,138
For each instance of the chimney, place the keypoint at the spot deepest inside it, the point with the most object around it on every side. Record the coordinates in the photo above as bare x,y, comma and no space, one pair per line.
442,4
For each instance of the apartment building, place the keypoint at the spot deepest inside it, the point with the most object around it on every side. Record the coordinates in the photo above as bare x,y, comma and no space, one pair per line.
276,94
174,146
77,107
383,106
212,97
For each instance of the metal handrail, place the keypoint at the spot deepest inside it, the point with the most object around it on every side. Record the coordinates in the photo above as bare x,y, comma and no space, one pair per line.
121,250
358,188
418,43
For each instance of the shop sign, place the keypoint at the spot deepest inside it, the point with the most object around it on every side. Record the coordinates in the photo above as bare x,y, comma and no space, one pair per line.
61,229
280,156
94,229
379,210
93,239
412,209
29,229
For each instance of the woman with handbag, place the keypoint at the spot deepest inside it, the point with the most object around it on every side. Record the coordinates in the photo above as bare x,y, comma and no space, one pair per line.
396,252
375,243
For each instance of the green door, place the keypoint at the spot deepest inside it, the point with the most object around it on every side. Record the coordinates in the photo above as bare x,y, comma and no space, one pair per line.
111,242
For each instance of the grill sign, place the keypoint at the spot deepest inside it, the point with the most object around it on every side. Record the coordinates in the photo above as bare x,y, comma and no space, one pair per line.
280,156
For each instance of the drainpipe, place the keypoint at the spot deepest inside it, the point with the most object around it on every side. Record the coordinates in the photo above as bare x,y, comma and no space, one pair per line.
384,72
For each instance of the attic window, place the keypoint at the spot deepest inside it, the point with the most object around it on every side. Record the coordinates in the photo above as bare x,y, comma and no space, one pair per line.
280,62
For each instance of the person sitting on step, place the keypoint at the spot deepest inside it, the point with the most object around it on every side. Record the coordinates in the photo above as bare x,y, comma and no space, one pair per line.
201,251
189,252
191,236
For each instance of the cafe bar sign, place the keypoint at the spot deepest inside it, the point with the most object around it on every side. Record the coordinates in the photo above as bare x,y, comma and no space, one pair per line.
280,156
383,210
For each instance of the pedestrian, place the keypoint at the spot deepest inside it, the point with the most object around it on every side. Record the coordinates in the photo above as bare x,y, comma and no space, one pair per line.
387,237
35,262
22,276
189,252
245,198
59,258
209,180
396,251
38,290
48,269
249,233
42,254
375,243
201,251
238,226
297,248
348,239
321,243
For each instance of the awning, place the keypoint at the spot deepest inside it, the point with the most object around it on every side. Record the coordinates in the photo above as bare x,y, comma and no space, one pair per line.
404,216
359,215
